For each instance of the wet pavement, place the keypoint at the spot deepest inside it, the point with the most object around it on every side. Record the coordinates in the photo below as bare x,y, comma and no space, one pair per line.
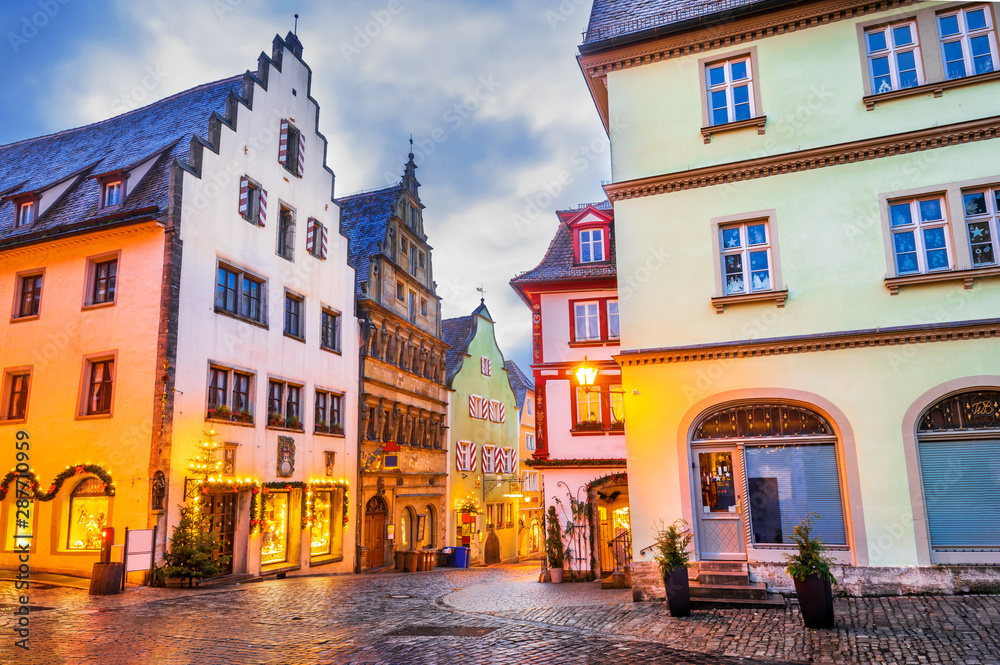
491,615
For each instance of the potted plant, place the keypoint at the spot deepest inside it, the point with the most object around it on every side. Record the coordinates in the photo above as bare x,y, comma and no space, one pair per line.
274,419
293,422
322,427
243,416
671,553
337,428
809,569
589,426
554,546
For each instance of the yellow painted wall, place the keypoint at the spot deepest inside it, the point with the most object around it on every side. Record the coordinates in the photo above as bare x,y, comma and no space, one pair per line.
54,346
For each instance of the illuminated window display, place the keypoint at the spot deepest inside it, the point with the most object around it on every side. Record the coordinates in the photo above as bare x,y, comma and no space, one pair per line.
322,522
274,542
88,510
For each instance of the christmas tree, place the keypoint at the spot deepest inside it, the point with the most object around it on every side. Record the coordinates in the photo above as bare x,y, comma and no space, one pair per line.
206,461
191,549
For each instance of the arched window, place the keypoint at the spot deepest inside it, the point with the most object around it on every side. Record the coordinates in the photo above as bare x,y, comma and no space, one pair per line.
958,440
88,512
428,539
774,464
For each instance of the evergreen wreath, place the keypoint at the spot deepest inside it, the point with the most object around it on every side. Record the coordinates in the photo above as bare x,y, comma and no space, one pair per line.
57,482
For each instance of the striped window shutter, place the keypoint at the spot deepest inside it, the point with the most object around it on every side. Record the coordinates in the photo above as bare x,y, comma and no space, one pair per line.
471,457
323,240
489,461
302,154
262,216
461,455
283,144
512,461
244,194
500,412
498,460
311,235
486,366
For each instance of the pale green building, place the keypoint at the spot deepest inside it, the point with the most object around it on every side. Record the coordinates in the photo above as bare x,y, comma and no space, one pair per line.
484,442
806,197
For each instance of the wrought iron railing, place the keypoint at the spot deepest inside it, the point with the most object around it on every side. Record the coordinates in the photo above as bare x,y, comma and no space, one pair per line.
621,549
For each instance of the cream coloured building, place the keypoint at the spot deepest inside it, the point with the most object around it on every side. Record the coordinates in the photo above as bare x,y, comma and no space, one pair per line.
806,203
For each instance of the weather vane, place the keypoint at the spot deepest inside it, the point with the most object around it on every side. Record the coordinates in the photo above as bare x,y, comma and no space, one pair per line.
296,29
482,293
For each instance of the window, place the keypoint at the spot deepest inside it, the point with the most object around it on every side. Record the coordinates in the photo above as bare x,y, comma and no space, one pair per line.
894,57
730,91
104,275
29,295
413,259
613,332
588,407
423,307
529,442
920,235
413,307
746,258
316,239
88,514
286,233
229,459
229,394
99,387
327,413
399,291
253,201
968,42
413,217
420,259
329,337
527,406
240,294
15,404
982,221
25,214
616,398
293,315
291,149
587,321
591,245
283,404
111,193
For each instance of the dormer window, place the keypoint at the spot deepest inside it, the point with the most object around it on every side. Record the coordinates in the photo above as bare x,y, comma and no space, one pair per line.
591,245
25,214
111,194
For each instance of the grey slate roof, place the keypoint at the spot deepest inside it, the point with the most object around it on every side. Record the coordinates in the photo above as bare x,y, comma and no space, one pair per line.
616,18
558,263
457,333
363,218
519,383
124,141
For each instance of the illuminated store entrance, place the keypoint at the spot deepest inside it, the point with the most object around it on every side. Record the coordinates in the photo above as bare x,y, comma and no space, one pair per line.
220,519
756,471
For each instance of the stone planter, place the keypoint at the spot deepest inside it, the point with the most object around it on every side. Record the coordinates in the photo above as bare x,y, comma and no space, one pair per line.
556,574
675,581
815,601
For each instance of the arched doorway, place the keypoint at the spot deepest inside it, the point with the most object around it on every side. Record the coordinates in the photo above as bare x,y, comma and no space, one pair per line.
614,530
757,470
492,552
958,444
374,537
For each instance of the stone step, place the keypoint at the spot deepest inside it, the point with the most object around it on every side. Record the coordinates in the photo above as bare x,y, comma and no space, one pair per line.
228,580
726,578
772,601
755,591
608,583
724,566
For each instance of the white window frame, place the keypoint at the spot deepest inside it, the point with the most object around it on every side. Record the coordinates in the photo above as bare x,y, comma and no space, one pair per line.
578,334
917,226
611,331
594,240
964,36
25,214
109,188
891,53
992,220
728,86
744,250
242,276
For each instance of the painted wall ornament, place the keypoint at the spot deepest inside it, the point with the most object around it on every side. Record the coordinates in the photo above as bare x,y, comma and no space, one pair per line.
286,456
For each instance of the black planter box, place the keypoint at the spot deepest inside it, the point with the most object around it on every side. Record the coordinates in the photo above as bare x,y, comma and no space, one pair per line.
678,591
815,601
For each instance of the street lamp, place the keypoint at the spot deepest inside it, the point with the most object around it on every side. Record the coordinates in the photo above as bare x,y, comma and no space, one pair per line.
586,375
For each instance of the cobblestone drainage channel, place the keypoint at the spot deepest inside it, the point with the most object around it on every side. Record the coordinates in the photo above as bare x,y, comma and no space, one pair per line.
442,631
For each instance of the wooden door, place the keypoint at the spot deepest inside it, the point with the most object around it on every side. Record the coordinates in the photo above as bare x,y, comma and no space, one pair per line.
220,518
492,553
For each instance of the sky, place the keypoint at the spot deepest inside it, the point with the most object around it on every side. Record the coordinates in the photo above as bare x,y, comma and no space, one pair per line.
504,129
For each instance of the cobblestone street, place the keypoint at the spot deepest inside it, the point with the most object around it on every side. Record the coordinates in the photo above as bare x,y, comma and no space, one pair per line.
485,615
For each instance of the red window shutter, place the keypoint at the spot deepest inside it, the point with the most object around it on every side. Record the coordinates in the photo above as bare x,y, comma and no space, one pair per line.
302,154
244,194
323,240
311,236
283,144
262,216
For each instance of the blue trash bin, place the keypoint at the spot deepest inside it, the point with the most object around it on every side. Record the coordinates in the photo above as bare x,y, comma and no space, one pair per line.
450,553
461,557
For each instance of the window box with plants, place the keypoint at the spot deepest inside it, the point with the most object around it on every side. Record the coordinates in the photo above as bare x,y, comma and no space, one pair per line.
671,553
218,412
617,425
809,569
589,426
323,428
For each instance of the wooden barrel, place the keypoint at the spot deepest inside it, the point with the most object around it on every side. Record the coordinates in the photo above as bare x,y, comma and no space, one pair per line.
106,578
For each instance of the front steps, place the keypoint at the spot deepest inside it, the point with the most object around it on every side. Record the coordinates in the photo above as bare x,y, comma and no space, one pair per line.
727,584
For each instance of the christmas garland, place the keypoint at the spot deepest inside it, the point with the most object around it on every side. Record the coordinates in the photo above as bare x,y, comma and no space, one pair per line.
322,486
288,487
543,463
57,482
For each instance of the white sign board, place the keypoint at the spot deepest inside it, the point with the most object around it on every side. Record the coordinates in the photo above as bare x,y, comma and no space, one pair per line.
139,550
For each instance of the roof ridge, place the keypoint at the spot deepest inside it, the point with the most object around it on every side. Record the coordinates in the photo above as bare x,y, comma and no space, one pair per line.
369,191
71,130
